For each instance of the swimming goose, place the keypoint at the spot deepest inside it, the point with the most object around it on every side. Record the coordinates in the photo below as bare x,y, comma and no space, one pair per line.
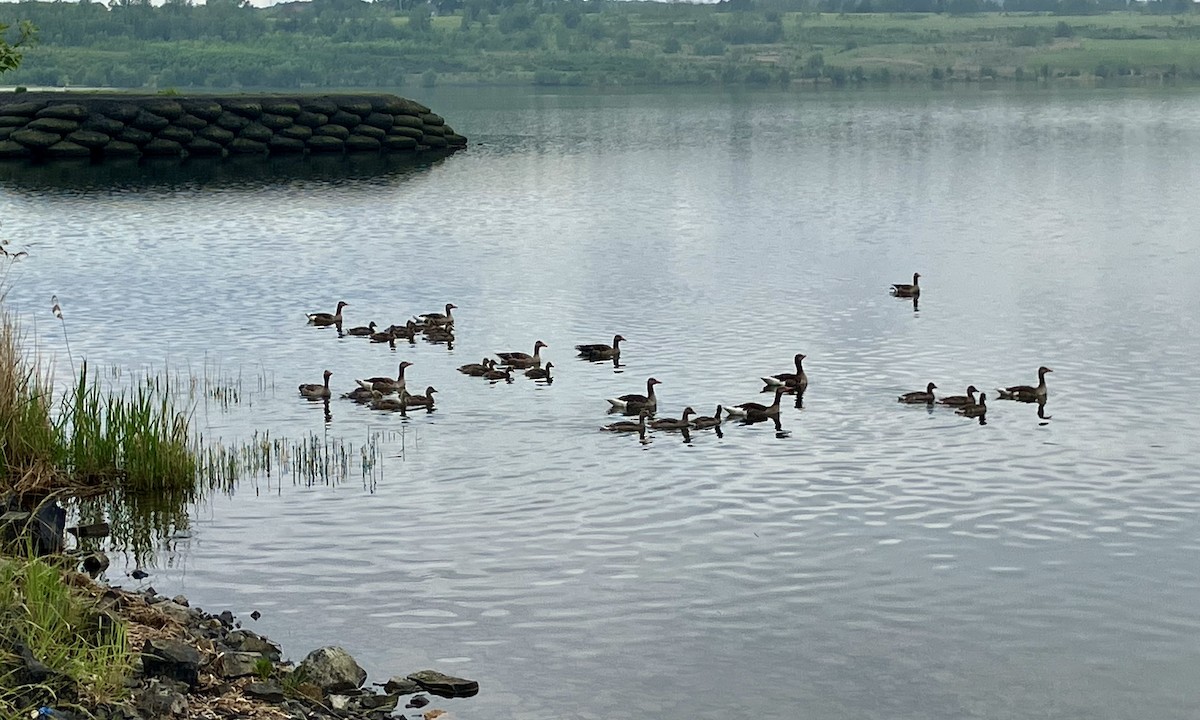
362,331
674,424
440,333
637,402
539,373
361,395
383,337
439,318
919,397
334,318
708,422
524,360
1027,393
407,331
476,369
386,383
391,404
906,290
629,426
758,410
979,409
600,351
960,400
314,391
425,401
797,380
495,374
745,408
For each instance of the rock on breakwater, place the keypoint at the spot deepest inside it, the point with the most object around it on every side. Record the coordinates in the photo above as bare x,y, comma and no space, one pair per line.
110,125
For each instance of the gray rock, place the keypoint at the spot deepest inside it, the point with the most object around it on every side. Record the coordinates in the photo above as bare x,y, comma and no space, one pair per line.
402,686
28,109
95,563
432,119
444,685
333,670
296,132
171,659
383,121
247,641
361,108
13,121
161,700
230,121
181,600
325,143
245,108
103,124
324,106
237,664
405,131
370,131
379,702
266,691
408,121
434,141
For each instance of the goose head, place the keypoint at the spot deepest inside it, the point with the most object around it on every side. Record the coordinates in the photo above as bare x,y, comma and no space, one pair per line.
930,387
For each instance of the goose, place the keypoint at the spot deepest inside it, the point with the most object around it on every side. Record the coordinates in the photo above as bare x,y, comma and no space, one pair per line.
637,402
386,383
407,331
919,397
1027,393
977,410
906,290
314,391
673,424
708,422
439,318
960,400
758,409
391,404
476,369
539,373
362,331
385,336
628,425
440,333
361,395
425,401
524,360
334,318
797,380
600,351
495,374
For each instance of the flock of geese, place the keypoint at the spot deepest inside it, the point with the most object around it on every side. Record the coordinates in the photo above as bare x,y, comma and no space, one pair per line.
392,394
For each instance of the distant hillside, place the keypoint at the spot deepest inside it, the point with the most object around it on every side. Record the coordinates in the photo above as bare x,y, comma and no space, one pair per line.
351,44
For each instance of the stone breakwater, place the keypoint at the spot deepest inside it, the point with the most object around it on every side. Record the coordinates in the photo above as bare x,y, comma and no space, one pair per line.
112,125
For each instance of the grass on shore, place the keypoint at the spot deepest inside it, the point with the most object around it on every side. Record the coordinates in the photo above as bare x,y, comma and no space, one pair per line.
85,651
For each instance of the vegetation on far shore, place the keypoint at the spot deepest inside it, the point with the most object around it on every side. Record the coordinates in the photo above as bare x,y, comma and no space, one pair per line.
392,43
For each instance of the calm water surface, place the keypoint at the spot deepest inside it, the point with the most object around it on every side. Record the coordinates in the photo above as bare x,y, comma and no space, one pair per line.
868,561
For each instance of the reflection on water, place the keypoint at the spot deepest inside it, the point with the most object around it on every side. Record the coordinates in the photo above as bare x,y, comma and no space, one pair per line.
240,171
851,558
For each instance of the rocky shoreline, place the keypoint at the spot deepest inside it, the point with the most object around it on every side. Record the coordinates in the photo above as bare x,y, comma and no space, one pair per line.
195,665
100,126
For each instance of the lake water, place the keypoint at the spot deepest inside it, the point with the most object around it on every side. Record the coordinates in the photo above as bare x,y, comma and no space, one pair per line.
867,560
